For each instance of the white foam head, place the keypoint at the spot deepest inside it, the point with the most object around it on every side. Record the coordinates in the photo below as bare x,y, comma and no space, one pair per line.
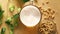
30,16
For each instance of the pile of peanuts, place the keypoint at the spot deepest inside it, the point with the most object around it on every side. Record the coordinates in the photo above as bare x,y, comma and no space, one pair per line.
47,25
48,14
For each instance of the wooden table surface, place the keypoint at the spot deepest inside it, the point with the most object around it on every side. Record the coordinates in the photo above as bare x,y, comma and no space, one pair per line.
21,29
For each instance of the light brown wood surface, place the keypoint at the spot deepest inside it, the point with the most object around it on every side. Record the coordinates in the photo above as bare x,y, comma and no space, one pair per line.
21,29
